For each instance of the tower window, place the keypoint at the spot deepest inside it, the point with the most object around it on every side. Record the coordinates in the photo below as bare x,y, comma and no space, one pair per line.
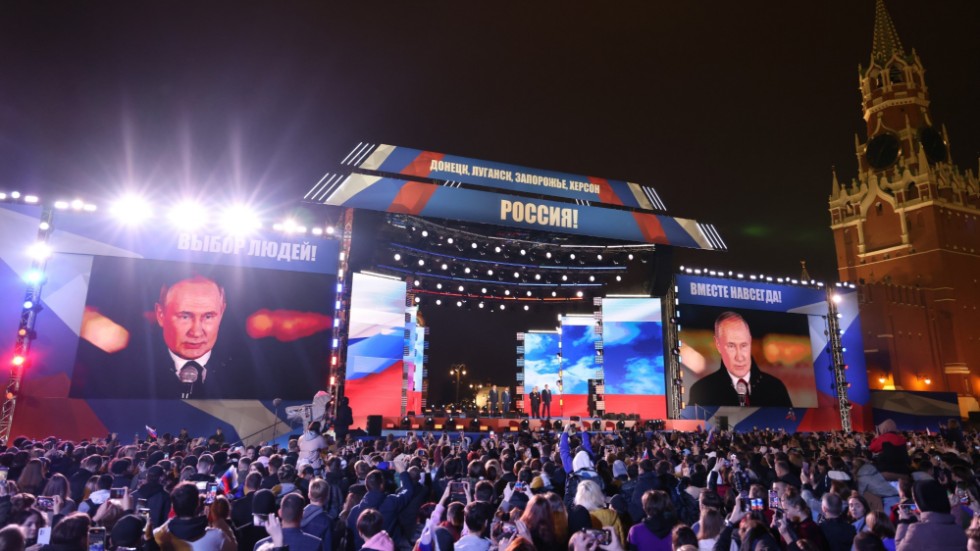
895,75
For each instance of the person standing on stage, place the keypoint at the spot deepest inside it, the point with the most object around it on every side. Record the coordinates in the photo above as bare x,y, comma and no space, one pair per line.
546,401
493,400
505,400
535,403
343,421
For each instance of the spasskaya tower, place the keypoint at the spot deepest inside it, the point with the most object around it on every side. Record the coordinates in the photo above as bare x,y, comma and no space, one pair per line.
906,233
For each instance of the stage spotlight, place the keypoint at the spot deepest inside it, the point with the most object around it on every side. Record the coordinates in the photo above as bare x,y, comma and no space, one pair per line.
459,303
489,272
34,277
418,300
474,245
18,360
460,288
557,425
525,425
598,257
554,293
39,251
187,215
31,199
578,294
483,290
444,266
537,277
596,425
526,307
591,278
620,425
507,292
523,252
619,278
421,262
572,256
449,240
503,306
131,210
318,231
630,256
398,257
430,422
439,286
44,226
406,423
517,275
480,305
240,220
547,254
425,233
330,230
467,270
529,293
475,424
417,283
438,302
564,277
28,305
496,249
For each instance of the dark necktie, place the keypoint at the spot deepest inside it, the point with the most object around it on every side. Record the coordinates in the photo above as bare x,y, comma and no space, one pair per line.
190,377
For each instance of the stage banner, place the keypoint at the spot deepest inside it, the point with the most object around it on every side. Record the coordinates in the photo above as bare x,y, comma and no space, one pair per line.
405,161
87,233
712,291
439,201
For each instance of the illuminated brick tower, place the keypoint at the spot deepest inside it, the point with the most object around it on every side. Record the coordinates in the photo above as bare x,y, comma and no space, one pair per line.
906,231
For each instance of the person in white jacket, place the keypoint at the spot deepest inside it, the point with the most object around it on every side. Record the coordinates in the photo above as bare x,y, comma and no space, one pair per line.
310,444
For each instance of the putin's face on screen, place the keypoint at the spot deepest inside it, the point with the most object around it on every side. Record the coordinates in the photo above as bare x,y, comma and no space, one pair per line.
190,314
734,343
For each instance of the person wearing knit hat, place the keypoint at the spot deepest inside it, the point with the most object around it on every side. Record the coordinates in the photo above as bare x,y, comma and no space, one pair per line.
619,469
934,528
128,531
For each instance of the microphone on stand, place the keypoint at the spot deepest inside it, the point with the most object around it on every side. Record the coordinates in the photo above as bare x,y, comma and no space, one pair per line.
275,427
743,390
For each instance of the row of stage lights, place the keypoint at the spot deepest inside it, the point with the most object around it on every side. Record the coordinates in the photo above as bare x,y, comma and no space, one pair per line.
133,210
760,277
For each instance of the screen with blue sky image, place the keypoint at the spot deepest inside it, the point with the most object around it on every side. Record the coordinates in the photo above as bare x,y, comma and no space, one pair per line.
633,346
577,353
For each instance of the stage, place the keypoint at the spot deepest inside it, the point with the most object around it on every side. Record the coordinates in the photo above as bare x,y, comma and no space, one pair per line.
516,424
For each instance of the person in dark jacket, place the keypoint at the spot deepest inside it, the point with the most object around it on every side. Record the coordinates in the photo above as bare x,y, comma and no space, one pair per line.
241,513
78,479
836,529
646,481
408,517
343,421
389,505
157,498
291,514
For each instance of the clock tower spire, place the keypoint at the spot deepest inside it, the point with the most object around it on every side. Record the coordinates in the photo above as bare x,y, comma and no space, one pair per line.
906,231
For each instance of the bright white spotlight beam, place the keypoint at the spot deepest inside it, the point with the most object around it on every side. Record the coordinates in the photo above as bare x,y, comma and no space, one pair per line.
131,210
187,216
240,220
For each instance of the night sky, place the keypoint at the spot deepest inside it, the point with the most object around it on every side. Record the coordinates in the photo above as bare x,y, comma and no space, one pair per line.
734,111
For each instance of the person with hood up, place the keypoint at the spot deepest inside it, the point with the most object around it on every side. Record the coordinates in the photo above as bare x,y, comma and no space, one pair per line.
188,529
653,533
579,468
157,498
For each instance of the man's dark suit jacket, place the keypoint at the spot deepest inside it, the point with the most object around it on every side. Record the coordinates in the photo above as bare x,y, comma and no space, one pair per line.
717,390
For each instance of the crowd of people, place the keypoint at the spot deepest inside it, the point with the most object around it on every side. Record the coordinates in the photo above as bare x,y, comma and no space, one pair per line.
543,490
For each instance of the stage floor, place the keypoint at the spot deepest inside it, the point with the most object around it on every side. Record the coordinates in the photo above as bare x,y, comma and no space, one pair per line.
498,424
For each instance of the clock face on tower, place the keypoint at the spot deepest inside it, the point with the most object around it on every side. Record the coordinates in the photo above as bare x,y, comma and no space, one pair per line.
933,144
882,151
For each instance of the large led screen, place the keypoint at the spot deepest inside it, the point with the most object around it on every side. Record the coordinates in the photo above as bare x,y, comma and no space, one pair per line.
770,351
578,364
169,330
633,346
541,361
375,346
